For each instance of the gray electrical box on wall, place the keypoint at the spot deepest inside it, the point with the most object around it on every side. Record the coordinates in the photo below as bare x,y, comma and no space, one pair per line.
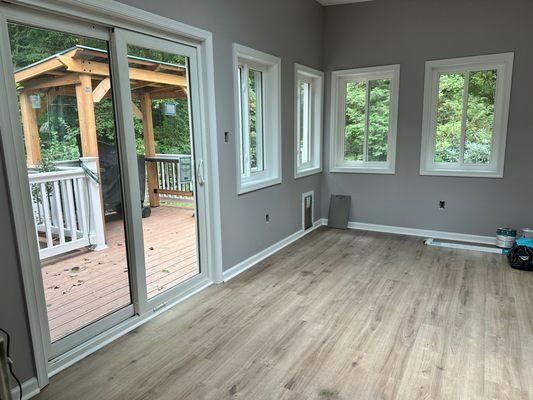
339,211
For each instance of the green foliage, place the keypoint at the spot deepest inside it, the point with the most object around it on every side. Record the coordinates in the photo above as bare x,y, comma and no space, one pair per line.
57,145
59,125
479,117
254,79
29,45
355,121
171,132
378,120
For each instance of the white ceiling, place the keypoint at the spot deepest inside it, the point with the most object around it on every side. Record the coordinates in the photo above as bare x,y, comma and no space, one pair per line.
333,2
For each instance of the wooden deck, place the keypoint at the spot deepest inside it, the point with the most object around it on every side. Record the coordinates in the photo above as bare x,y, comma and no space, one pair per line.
83,286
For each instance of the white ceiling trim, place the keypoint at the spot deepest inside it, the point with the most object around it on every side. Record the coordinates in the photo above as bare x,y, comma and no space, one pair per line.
334,2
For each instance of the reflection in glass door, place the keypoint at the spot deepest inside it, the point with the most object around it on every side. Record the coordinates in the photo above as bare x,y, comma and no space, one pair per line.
66,111
159,82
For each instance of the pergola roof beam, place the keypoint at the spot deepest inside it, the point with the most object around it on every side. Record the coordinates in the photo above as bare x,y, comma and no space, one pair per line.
136,74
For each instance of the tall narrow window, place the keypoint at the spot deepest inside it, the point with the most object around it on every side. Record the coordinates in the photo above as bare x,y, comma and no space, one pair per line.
251,105
465,116
308,120
258,115
364,118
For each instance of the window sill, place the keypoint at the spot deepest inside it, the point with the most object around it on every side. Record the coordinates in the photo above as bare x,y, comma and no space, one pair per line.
461,173
250,186
307,172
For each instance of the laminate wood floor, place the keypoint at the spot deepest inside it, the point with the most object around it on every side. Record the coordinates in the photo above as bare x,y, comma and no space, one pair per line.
336,315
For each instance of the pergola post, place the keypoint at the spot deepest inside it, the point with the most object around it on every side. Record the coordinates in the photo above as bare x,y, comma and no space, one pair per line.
149,148
30,129
84,99
87,121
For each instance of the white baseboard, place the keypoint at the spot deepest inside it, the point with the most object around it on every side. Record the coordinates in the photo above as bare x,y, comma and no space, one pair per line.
425,233
30,388
253,260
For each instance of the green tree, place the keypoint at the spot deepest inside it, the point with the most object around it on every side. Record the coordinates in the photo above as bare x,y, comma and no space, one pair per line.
59,125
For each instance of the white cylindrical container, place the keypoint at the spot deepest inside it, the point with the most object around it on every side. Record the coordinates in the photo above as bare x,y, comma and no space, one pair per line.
505,237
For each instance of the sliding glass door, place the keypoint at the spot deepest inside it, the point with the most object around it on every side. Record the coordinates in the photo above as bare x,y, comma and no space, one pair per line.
113,187
67,120
162,82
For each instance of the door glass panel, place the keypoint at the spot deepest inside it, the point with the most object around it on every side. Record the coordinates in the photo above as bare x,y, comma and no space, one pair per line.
165,153
67,116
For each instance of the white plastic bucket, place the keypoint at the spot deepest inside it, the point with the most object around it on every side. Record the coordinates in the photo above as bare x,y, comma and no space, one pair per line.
505,242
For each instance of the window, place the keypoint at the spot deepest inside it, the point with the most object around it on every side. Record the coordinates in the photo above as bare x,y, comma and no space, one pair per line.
364,118
466,106
309,86
258,110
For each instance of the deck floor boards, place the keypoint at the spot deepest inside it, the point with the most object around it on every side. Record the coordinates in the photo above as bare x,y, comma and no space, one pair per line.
99,283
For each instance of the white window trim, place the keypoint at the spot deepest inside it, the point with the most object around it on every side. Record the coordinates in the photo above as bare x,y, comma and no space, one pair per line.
316,79
503,63
271,68
338,80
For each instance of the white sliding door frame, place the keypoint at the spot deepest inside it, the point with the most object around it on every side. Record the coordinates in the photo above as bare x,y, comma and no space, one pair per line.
110,15
121,39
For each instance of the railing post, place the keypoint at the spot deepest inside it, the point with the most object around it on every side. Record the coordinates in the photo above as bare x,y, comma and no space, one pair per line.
96,219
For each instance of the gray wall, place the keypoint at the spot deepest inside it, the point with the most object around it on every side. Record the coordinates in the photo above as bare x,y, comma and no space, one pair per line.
291,30
13,316
409,32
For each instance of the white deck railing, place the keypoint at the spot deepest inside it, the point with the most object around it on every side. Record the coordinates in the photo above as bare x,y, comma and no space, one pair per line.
170,174
67,209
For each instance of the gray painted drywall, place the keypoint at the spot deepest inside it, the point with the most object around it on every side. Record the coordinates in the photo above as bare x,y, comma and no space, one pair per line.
291,30
381,32
13,316
409,32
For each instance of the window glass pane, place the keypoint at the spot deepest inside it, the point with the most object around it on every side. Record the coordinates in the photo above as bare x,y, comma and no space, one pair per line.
165,156
255,119
378,124
240,74
480,117
354,116
304,126
449,118
74,172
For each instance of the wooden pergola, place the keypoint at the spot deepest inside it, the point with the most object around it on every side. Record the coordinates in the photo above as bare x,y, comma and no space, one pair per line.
83,72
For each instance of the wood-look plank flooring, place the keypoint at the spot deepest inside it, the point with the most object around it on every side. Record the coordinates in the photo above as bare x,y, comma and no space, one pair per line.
337,315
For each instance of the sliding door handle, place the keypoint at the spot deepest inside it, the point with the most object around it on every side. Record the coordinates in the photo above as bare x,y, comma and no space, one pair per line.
200,173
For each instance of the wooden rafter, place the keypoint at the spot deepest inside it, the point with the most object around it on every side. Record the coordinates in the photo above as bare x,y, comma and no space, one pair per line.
45,83
135,74
43,67
101,90
136,111
39,69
